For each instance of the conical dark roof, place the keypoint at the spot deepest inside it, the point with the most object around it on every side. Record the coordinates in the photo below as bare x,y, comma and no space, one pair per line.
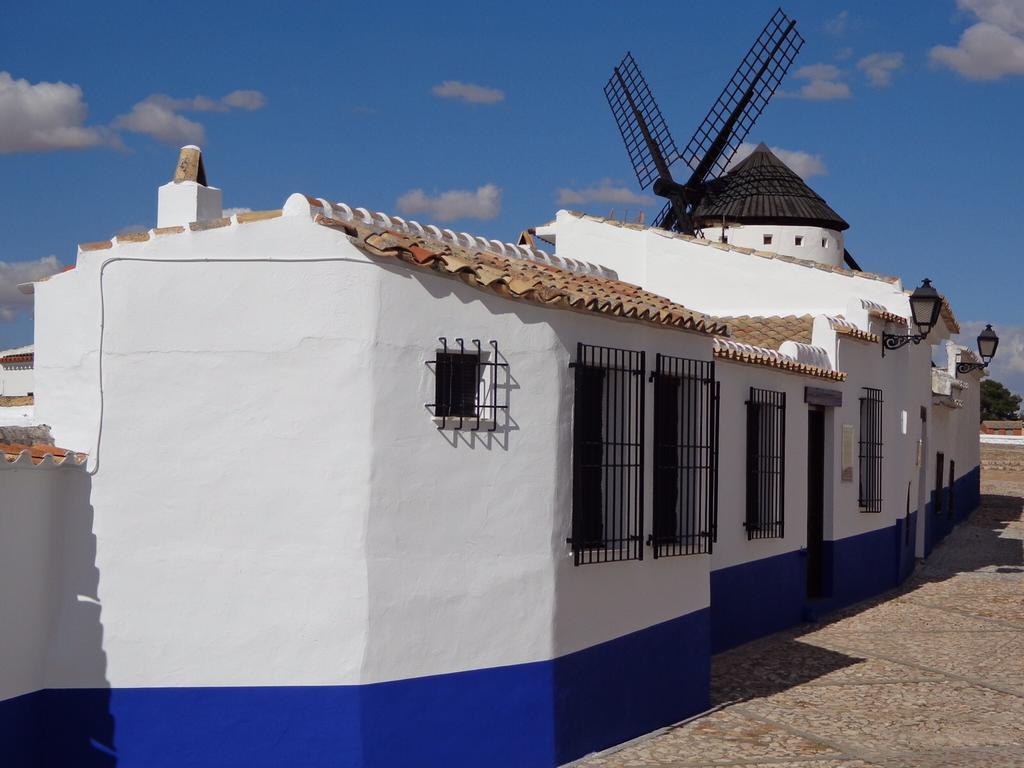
764,190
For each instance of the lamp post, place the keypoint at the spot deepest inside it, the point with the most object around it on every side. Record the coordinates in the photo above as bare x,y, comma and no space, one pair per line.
988,342
925,306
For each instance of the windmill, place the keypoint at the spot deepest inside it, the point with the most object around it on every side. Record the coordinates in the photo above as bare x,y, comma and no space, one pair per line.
650,145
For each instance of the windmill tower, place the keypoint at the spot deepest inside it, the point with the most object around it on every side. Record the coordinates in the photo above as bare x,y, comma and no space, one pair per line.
761,203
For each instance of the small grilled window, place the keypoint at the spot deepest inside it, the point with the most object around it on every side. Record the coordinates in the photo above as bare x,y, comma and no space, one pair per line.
685,456
766,464
767,240
608,455
870,495
466,385
799,239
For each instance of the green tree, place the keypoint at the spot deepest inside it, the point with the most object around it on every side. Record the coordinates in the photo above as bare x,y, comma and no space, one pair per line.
998,403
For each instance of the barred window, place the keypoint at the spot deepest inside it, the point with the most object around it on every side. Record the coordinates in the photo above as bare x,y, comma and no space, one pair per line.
685,456
940,468
608,455
466,385
766,464
870,493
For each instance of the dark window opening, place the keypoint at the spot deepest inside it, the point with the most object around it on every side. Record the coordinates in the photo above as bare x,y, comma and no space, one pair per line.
685,456
456,385
766,464
870,490
608,457
799,239
767,240
940,467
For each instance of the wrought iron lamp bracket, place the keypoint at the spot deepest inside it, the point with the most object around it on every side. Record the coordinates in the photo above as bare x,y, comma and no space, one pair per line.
892,341
968,367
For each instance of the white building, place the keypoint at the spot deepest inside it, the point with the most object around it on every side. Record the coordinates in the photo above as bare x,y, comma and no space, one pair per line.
16,372
360,491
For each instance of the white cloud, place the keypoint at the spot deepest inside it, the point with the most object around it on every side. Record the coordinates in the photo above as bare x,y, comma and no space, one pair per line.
818,72
155,117
484,203
474,94
804,164
43,116
838,24
1008,365
844,53
158,115
233,211
248,100
991,48
824,83
880,67
824,90
13,301
604,191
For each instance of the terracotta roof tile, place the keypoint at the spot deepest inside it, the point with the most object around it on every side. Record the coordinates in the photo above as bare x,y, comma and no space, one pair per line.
38,453
22,357
98,245
770,332
726,349
527,280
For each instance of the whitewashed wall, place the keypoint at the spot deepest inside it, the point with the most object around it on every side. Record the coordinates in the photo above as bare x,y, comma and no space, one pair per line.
319,529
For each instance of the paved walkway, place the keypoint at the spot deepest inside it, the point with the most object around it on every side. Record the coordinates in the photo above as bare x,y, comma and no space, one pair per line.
930,676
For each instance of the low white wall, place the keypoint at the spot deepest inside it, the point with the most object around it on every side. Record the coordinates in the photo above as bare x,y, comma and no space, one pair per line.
48,579
16,379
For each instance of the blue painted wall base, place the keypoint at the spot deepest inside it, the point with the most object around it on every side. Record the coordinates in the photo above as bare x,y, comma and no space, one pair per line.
541,714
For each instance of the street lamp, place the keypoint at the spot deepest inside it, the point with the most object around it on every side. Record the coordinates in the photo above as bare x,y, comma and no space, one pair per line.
988,342
925,306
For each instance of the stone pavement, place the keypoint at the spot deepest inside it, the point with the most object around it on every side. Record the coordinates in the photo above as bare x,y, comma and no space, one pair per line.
930,675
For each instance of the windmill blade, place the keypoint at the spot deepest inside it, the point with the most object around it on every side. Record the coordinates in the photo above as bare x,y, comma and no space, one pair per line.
744,98
650,146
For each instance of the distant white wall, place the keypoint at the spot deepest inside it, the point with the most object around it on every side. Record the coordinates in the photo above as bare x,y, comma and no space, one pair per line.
824,246
717,280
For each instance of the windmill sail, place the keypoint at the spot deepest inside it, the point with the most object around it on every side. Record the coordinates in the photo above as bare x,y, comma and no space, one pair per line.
743,100
650,146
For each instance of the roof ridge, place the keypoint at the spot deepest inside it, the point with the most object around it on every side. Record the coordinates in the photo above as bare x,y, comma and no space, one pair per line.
343,212
527,280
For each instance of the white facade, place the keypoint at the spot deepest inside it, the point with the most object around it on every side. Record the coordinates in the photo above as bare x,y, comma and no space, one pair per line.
270,515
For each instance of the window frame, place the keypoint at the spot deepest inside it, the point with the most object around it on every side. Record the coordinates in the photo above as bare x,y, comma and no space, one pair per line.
608,454
766,464
685,470
870,453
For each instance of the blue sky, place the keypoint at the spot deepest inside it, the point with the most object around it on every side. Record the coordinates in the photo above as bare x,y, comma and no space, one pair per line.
908,117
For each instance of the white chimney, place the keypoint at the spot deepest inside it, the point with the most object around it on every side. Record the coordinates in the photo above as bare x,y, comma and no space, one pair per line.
186,198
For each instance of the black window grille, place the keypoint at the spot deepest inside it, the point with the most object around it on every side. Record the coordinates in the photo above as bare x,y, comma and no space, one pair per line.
940,467
466,385
685,456
870,493
608,455
766,464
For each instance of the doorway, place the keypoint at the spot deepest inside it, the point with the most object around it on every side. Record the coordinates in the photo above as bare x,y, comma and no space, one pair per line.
815,501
